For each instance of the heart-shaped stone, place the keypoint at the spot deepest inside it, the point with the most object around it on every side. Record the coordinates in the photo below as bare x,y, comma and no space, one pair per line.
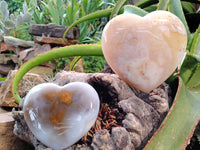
144,51
60,116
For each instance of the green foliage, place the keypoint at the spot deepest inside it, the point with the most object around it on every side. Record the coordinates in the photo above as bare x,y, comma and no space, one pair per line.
39,11
190,72
87,29
2,79
22,32
93,63
8,22
15,5
61,63
62,12
72,10
74,61
194,42
187,7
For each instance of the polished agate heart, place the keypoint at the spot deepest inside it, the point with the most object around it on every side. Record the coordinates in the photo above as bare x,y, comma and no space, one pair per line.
144,51
60,116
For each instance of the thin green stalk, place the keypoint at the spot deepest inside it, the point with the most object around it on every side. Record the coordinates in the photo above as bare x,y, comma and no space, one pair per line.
68,51
162,5
117,7
73,63
97,14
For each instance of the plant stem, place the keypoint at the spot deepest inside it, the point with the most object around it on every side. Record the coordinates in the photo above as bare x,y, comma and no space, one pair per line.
68,51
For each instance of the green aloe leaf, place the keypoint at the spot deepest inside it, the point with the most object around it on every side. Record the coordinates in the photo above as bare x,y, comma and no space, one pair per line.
188,7
151,8
134,10
117,7
174,6
163,4
194,42
190,72
179,124
94,15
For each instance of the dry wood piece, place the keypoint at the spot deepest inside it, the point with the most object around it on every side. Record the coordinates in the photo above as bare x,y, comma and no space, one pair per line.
53,31
127,117
52,40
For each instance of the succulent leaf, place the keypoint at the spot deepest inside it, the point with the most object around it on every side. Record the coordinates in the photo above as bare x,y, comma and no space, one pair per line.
24,6
12,17
9,24
4,10
27,17
5,30
19,20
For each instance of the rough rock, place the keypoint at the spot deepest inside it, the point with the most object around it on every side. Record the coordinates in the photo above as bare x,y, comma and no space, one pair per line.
4,69
18,42
142,113
41,70
9,141
28,81
6,58
7,47
102,140
23,54
121,139
37,50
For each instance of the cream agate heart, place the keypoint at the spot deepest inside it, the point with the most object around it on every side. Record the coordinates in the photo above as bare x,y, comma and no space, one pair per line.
144,51
60,116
